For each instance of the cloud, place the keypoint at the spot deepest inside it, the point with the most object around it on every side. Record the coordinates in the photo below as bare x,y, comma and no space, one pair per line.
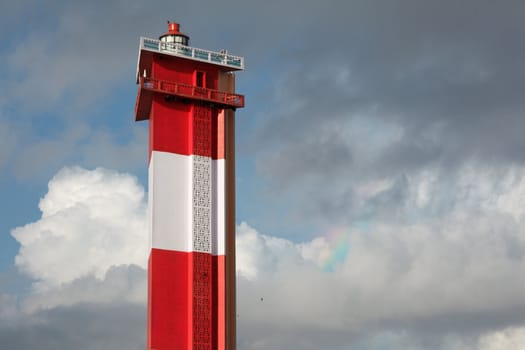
51,64
438,271
91,221
373,91
392,276
441,281
105,150
512,338
72,56
125,283
40,157
87,257
8,309
83,326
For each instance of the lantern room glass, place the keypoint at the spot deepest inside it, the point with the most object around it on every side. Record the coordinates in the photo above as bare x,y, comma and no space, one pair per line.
175,39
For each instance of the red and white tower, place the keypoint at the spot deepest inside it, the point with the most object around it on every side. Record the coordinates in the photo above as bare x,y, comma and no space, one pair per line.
188,96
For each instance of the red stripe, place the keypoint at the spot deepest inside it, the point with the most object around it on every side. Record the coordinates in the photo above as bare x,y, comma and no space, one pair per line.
221,303
170,126
169,300
171,120
182,70
185,300
173,123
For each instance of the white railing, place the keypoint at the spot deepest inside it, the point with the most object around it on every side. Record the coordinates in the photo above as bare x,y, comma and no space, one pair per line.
221,58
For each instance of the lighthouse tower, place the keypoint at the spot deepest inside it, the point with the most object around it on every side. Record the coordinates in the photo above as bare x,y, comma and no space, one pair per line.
188,96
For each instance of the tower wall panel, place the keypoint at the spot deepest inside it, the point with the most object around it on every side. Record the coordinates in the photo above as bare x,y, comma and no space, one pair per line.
186,307
178,128
171,126
171,200
191,279
184,71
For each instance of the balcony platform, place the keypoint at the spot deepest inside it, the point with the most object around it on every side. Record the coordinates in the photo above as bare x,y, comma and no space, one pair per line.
148,86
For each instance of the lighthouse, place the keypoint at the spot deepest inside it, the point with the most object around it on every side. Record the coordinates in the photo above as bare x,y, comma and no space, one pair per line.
188,96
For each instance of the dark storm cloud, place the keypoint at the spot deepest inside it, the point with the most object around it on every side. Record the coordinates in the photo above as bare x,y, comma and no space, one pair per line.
439,82
425,65
318,152
83,327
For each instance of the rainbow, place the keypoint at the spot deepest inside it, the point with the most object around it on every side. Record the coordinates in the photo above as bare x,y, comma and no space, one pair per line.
339,244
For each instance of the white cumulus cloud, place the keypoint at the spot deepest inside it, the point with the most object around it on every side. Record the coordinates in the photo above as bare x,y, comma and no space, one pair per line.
453,252
402,277
92,220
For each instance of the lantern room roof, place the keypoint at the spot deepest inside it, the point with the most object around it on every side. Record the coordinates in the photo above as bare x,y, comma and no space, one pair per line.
174,29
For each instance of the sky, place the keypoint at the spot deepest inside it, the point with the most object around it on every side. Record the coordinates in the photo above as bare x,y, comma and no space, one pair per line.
380,172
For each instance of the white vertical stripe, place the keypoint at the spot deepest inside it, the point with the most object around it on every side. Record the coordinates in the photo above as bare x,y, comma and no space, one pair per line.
170,201
150,203
218,205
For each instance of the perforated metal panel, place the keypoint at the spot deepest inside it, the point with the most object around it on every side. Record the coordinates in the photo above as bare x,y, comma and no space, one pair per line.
202,259
202,131
202,147
202,204
202,301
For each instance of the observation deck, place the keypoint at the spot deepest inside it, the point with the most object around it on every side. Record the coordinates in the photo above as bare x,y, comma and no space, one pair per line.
219,58
148,86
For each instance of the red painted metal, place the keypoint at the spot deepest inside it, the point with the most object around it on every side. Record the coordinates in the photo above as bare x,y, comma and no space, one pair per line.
169,301
187,111
174,129
186,289
192,92
219,294
189,295
203,307
174,29
170,127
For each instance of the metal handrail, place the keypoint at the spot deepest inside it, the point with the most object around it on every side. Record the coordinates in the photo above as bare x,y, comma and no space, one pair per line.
192,91
175,49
